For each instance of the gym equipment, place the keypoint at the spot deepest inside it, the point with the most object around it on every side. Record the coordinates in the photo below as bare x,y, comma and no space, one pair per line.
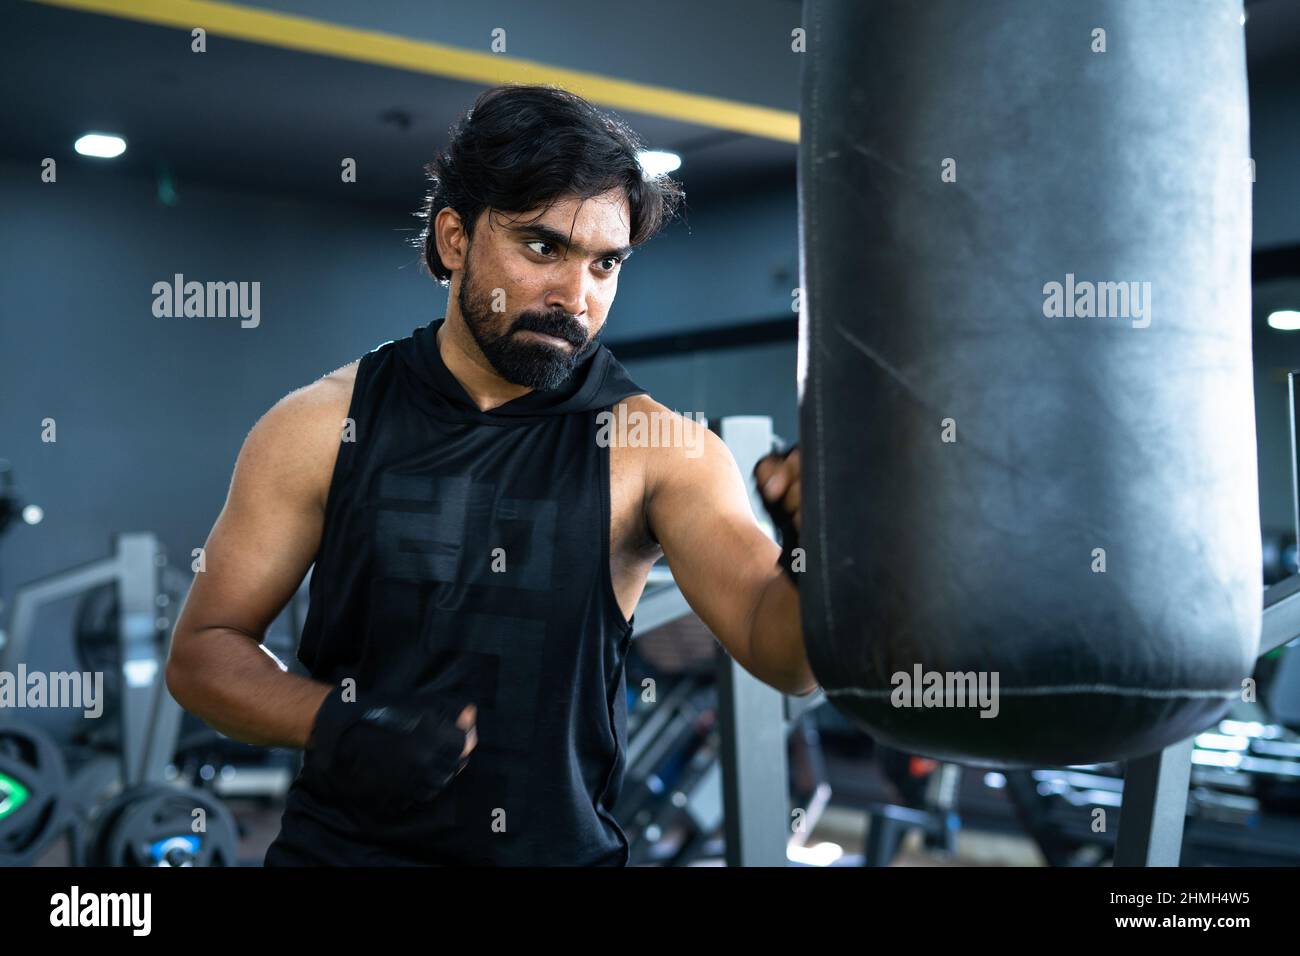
34,807
11,509
1011,502
11,505
1281,693
123,626
96,779
1240,808
1279,552
926,801
153,825
98,643
138,570
671,802
1066,839
810,789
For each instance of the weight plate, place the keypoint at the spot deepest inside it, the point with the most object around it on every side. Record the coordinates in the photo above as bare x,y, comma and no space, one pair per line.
33,793
154,825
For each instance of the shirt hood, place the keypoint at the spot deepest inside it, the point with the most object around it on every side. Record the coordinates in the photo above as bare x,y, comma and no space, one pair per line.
597,382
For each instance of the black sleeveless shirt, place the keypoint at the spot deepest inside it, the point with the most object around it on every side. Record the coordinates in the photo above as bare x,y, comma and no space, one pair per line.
467,553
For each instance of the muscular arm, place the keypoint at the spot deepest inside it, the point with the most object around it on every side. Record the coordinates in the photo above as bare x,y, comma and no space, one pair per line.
698,509
254,560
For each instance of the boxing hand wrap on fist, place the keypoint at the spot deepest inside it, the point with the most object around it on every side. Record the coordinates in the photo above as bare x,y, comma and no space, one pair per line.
391,754
778,478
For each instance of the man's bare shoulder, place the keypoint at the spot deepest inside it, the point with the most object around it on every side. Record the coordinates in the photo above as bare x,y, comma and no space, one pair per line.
666,439
329,396
336,386
294,445
642,403
650,410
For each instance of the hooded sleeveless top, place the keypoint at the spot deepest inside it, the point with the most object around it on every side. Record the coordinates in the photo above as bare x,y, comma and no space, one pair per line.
467,553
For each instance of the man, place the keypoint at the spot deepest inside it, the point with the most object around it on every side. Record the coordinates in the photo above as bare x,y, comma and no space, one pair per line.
478,548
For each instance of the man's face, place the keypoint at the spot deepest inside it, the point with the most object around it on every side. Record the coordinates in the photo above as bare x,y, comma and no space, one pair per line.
535,291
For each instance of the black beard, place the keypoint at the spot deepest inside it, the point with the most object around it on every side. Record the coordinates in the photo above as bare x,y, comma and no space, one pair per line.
525,362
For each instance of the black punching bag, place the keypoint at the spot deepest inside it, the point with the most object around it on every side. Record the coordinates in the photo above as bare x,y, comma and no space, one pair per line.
1030,504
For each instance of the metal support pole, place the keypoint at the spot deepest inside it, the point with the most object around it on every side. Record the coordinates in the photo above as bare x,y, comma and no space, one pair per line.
139,560
755,779
1155,804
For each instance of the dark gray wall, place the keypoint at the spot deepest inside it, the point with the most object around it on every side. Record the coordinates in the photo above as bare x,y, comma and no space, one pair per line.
750,380
1276,353
151,412
1275,146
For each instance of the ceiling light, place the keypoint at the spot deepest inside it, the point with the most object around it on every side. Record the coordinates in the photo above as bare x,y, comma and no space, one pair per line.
657,162
100,145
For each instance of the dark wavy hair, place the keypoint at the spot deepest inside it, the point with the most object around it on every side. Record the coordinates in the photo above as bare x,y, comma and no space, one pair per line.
525,147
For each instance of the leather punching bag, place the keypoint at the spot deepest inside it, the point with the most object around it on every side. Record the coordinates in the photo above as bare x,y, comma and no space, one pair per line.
1025,373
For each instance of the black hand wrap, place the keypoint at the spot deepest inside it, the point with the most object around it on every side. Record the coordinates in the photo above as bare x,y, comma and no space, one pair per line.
390,755
782,520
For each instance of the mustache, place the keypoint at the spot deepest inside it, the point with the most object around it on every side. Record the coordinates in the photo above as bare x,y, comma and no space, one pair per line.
559,325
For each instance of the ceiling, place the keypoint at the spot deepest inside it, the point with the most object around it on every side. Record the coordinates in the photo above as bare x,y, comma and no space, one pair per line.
263,117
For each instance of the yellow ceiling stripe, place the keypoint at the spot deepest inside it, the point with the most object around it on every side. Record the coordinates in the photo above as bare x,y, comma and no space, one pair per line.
439,59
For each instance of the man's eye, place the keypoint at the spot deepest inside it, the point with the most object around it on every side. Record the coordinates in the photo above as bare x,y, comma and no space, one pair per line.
613,261
540,242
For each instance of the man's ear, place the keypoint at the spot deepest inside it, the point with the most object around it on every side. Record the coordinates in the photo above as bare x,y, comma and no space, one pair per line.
451,239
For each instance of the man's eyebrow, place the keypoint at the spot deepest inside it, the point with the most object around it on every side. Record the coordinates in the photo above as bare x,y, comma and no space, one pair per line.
557,238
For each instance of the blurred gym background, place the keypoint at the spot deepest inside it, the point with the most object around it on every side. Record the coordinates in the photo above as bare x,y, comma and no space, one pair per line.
231,172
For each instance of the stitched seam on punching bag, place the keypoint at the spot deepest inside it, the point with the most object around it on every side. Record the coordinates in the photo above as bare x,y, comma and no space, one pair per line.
1061,689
